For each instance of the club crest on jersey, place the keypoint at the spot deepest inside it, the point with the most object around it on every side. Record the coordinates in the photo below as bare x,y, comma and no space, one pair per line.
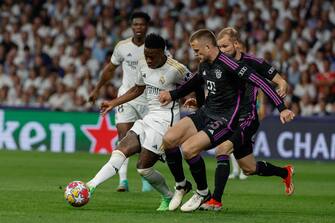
129,55
162,79
204,73
218,73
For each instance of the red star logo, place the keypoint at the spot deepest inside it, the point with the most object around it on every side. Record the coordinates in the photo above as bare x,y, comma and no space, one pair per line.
103,135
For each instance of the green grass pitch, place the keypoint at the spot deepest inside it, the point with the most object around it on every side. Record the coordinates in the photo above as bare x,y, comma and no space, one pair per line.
32,185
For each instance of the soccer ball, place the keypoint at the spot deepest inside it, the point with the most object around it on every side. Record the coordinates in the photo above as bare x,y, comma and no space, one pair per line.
77,193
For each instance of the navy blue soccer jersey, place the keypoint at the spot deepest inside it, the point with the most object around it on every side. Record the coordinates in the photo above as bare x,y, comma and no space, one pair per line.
248,103
225,81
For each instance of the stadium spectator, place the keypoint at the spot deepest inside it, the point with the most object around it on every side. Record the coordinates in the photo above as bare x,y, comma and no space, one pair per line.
69,41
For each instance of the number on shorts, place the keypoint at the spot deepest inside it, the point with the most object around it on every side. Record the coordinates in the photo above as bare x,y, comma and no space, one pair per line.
120,108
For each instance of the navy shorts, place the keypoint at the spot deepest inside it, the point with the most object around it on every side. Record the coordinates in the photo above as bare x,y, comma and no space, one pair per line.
216,130
247,131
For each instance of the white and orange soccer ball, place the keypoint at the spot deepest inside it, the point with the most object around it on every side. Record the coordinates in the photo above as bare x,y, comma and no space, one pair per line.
77,193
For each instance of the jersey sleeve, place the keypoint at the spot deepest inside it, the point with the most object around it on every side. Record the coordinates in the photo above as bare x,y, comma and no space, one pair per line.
117,57
244,72
139,78
261,66
187,86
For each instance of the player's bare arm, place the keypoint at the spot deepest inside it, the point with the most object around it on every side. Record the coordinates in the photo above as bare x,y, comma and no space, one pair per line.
131,94
107,74
282,85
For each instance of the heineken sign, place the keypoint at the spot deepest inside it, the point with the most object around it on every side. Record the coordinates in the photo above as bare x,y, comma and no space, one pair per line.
36,130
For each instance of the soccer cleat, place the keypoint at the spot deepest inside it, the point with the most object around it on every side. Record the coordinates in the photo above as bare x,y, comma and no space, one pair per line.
242,176
91,190
123,186
194,202
212,204
179,194
288,181
146,186
233,176
164,206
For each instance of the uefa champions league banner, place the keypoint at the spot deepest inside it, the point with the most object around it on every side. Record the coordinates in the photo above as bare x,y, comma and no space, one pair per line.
37,130
310,138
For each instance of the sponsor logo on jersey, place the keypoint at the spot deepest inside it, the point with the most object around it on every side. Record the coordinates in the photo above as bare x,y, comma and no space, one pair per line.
242,71
272,69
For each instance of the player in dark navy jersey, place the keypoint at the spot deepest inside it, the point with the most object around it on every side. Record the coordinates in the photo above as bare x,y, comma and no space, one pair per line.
216,120
229,42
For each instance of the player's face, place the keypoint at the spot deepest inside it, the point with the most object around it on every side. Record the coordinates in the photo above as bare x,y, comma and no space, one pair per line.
228,46
200,49
154,57
139,27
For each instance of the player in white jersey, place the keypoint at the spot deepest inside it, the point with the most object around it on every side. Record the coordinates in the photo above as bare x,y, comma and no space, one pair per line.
157,72
127,53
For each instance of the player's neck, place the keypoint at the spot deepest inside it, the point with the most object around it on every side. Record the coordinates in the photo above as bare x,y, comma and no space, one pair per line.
138,41
238,55
214,54
162,62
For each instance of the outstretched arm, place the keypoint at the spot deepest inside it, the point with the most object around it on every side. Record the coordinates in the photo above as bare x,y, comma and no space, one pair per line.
244,72
282,85
107,74
165,97
131,94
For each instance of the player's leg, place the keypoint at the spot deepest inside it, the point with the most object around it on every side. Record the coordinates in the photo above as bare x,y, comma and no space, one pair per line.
125,117
128,146
221,176
235,168
223,168
122,129
192,148
263,168
174,137
147,160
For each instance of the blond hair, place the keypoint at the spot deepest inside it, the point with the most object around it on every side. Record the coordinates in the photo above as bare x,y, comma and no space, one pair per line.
233,34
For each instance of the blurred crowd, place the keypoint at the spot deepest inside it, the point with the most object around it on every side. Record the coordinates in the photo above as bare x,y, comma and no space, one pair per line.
52,52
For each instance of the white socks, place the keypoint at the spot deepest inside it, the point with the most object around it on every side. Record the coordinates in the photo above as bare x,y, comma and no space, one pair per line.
182,183
156,180
109,169
123,170
236,167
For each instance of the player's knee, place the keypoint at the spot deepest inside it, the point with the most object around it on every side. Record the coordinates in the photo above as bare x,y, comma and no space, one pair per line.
225,148
187,152
169,141
248,170
222,150
145,172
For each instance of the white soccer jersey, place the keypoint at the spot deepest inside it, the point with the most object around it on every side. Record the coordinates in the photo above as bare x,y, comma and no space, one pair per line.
128,54
164,78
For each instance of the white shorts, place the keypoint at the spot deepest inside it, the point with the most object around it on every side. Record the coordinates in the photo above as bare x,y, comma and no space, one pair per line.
151,137
130,112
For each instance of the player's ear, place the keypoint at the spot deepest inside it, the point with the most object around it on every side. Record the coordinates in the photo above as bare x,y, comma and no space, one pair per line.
207,47
236,44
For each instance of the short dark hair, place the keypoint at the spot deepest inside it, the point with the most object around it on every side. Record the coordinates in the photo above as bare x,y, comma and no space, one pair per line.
142,15
154,41
204,34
